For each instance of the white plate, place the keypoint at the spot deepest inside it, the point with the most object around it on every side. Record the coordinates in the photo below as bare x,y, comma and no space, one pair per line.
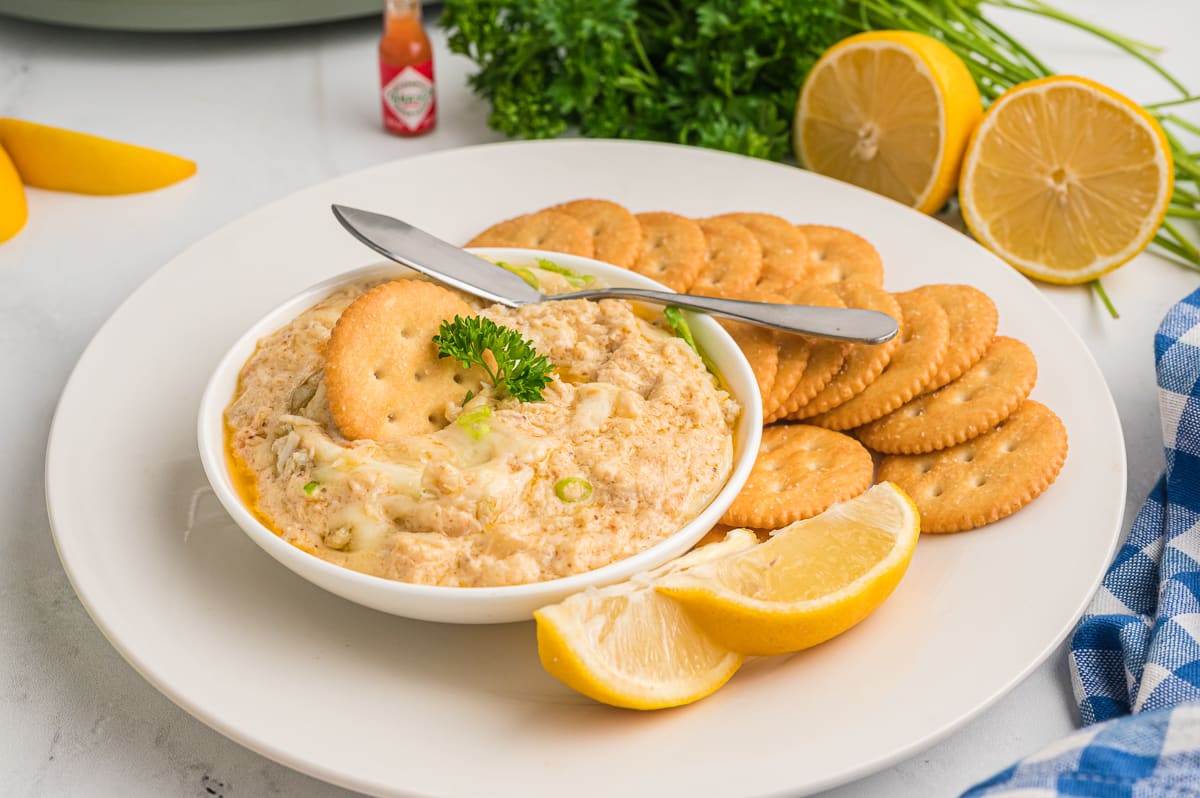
391,706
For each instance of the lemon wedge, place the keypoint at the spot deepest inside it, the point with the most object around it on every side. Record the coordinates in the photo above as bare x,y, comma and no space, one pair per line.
63,160
811,581
1066,179
13,208
890,111
628,646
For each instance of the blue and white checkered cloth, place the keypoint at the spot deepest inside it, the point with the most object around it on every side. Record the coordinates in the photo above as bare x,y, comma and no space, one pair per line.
1137,650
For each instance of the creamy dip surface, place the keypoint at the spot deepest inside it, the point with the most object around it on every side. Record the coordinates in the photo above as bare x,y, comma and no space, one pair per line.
631,413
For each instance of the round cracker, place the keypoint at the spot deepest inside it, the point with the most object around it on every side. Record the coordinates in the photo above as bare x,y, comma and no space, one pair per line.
795,350
800,471
980,399
733,260
862,363
986,478
616,234
835,255
924,338
549,230
760,345
825,362
973,321
785,249
383,376
672,249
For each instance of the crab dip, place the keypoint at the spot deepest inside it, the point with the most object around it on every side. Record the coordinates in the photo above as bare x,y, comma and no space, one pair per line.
632,439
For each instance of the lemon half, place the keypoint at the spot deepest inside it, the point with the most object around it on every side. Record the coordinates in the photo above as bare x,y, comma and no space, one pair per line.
890,111
1066,179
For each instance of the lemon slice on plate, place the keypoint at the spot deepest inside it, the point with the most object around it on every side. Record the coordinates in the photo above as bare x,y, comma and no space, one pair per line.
1066,179
628,646
890,111
811,581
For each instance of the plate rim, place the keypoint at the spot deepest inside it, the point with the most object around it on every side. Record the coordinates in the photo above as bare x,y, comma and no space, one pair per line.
351,781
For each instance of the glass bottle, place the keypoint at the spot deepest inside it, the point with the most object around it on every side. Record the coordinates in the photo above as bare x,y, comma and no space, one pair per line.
406,71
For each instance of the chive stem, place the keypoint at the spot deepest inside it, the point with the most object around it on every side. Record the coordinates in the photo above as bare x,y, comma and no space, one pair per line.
1139,50
1182,240
1183,123
1176,253
1100,292
1171,103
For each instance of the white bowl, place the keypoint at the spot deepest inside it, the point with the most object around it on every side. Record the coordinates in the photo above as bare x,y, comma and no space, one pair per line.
471,604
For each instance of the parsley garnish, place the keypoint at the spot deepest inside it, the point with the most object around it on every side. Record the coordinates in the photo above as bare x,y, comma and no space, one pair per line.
520,370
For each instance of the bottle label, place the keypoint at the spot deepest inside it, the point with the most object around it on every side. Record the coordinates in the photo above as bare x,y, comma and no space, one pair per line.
408,101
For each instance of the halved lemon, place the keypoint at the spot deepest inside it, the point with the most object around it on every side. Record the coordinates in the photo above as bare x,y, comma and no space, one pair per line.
890,111
628,646
811,581
1066,179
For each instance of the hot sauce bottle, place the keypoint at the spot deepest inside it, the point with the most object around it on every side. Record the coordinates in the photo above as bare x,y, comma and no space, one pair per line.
406,71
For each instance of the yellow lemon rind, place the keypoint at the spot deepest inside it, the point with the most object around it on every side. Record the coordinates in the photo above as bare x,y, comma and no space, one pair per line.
757,627
601,684
565,654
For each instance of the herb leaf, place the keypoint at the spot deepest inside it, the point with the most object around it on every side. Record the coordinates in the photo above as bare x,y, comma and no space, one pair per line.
520,370
713,73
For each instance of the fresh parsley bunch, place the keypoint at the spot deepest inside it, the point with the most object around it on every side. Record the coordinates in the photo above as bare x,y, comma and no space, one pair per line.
520,370
713,73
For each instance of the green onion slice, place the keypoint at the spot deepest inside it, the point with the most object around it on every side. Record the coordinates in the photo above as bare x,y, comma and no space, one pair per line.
573,277
475,421
311,487
521,272
573,489
679,326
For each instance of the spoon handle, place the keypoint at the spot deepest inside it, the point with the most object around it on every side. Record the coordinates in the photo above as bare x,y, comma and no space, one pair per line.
841,324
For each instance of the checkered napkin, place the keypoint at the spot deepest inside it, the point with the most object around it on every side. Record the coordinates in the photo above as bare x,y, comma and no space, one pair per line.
1137,649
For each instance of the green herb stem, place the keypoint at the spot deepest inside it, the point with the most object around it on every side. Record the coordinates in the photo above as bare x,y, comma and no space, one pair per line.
1183,123
1181,255
1171,103
1182,212
1100,292
1139,50
1181,240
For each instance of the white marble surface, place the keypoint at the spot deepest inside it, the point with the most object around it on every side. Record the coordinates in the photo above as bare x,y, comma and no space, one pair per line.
269,112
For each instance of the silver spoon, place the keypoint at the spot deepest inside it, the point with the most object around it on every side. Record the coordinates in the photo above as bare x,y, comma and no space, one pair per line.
442,261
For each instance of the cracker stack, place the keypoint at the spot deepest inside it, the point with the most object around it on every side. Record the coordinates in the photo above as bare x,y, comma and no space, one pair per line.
944,405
